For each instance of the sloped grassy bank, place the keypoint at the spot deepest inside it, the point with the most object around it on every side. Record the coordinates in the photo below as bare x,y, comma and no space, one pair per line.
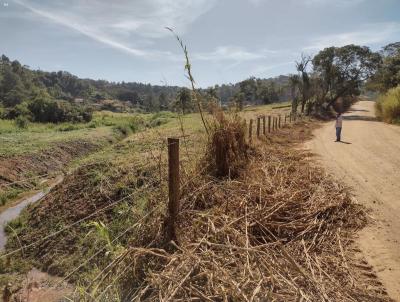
281,230
30,155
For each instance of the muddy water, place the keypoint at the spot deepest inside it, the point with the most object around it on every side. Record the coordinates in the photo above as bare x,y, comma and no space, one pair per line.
12,213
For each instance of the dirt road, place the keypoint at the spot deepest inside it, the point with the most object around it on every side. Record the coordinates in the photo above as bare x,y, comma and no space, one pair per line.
368,160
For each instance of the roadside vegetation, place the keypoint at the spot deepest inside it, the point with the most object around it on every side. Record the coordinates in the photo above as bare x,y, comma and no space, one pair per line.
387,82
388,106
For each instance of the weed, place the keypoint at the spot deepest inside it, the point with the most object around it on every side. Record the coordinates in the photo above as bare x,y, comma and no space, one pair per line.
9,195
21,122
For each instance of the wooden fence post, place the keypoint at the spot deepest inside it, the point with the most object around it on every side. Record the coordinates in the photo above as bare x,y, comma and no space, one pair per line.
290,117
251,129
279,121
258,126
263,124
173,187
269,124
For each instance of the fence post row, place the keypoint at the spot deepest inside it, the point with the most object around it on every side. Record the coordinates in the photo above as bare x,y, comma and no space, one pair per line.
173,187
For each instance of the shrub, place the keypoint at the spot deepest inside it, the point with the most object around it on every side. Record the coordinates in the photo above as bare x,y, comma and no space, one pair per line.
22,122
44,110
68,127
388,106
130,126
14,112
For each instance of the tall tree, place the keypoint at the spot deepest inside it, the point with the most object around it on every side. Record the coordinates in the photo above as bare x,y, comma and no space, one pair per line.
184,99
344,69
304,84
388,74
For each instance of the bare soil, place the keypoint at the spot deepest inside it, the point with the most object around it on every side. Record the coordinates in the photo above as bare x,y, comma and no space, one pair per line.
40,287
368,160
15,168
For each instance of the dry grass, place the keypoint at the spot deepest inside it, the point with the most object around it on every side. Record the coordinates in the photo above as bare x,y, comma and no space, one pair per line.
281,231
227,151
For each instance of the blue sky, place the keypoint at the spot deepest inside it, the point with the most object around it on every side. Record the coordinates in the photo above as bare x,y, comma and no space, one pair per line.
228,40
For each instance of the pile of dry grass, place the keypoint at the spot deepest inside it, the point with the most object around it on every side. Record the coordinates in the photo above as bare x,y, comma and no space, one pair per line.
227,151
281,231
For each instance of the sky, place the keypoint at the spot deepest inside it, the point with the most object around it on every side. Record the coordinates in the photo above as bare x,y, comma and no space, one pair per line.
228,40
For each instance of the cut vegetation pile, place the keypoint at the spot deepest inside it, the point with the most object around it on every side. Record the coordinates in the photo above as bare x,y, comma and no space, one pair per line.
280,230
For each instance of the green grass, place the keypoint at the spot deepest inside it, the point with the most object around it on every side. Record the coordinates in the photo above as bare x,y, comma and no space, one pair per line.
37,136
54,139
9,194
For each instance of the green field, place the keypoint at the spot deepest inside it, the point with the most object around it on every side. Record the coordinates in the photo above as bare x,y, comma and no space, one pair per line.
105,125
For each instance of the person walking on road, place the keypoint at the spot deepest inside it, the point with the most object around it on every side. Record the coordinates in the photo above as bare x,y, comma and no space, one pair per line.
338,125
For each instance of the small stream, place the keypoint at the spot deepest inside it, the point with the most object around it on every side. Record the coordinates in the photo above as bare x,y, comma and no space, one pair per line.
12,213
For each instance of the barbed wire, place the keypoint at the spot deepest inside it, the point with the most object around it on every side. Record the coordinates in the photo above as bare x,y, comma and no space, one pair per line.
73,224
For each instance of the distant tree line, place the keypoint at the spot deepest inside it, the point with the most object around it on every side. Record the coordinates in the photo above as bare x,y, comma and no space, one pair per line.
23,91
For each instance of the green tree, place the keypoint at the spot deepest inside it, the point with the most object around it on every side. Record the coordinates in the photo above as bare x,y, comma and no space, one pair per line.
184,98
388,74
239,100
344,69
249,89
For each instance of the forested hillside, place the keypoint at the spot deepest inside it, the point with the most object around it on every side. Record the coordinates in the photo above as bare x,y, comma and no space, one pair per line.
21,86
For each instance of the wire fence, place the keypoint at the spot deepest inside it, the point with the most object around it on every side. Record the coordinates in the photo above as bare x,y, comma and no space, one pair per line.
263,124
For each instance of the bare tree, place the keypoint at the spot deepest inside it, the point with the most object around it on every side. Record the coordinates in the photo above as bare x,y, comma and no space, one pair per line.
304,84
294,82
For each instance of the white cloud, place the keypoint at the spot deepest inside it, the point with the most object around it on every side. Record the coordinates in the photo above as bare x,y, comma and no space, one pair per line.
315,2
232,53
336,2
262,69
370,34
117,23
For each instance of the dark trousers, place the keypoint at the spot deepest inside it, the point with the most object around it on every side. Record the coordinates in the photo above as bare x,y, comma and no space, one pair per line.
338,133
